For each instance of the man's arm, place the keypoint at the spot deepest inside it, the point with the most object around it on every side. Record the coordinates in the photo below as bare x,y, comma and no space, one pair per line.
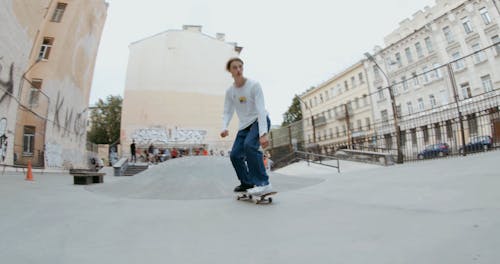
262,116
227,114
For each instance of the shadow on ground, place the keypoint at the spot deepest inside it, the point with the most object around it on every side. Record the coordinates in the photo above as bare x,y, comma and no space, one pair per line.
190,178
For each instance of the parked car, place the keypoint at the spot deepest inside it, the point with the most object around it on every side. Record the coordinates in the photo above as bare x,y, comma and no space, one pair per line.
480,143
435,150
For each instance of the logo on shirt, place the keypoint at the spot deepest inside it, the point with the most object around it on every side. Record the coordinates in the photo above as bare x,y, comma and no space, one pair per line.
243,99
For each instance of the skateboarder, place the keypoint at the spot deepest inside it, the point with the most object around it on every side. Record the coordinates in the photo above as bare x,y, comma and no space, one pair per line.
246,98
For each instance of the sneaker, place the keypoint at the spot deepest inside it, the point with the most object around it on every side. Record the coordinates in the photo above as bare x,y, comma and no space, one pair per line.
242,188
258,190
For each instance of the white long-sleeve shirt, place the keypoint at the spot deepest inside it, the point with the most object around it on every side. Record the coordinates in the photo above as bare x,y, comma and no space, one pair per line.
248,101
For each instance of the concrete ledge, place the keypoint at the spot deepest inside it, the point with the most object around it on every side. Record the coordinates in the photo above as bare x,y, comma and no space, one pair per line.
120,166
384,159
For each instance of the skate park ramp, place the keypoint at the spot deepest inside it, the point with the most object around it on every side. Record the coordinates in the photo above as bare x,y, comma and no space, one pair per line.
190,178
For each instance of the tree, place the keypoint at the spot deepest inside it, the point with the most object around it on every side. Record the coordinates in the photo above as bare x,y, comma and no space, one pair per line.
105,119
293,114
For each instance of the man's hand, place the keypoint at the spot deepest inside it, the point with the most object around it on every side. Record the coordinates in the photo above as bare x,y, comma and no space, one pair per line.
264,142
224,133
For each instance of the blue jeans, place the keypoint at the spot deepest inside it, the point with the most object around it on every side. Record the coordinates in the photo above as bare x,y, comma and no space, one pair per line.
246,158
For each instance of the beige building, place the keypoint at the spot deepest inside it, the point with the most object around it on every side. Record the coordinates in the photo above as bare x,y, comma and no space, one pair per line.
47,56
174,91
341,109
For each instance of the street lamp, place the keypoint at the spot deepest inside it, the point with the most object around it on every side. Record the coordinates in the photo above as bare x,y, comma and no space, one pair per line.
312,118
394,112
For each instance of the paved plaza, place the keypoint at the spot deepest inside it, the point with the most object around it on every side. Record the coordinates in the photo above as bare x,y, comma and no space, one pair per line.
183,211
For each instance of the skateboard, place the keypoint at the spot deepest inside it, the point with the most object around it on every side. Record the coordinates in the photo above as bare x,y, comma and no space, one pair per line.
258,199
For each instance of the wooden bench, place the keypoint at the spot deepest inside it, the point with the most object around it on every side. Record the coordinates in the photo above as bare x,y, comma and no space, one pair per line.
85,178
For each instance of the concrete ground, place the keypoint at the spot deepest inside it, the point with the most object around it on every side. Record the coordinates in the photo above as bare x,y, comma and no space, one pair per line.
183,211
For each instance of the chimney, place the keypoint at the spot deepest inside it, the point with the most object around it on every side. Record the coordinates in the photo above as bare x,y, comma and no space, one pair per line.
193,28
220,36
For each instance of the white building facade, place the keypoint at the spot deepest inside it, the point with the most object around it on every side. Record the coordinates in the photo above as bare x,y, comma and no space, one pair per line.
415,61
174,91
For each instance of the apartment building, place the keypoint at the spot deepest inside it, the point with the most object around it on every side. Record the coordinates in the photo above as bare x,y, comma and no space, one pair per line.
174,91
340,110
47,56
415,63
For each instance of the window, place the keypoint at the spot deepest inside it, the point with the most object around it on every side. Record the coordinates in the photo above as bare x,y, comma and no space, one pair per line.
394,88
326,95
45,49
428,44
418,47
360,126
337,131
360,77
353,81
472,122
413,133
408,55
437,131
384,116
310,103
367,121
496,39
346,85
344,130
485,15
365,100
398,59
36,85
403,137
459,63
425,132
421,105
467,25
415,78
331,132
330,114
479,56
426,74
399,113
432,99
29,140
356,102
309,138
487,84
388,141
315,101
466,92
321,98
58,12
409,106
405,83
448,34
380,93
449,129
437,71
376,72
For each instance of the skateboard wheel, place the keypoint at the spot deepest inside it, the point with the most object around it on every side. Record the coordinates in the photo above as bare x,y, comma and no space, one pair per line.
270,200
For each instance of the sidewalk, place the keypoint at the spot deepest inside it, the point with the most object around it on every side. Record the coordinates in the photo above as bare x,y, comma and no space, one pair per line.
436,211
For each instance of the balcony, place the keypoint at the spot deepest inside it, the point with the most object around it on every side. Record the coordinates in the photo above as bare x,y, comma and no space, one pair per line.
320,121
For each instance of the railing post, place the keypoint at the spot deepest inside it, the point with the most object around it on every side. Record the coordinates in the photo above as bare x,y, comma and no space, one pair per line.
455,96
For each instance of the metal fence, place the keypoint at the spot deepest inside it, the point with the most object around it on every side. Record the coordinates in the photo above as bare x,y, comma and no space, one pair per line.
455,112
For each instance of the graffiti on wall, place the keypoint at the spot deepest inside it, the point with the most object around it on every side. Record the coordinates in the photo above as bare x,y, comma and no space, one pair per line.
67,123
53,154
7,86
161,136
3,139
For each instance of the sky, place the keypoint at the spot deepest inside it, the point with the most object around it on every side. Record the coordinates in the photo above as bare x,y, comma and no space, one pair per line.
288,46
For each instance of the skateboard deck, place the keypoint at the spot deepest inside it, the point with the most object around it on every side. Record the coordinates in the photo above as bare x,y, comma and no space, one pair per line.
258,199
